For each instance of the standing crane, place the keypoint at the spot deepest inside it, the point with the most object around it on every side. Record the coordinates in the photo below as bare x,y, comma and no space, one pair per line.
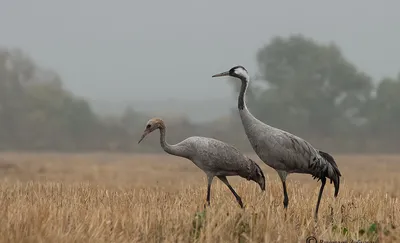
281,150
214,157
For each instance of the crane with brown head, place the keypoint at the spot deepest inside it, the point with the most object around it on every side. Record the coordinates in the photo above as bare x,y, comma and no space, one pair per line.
152,124
214,157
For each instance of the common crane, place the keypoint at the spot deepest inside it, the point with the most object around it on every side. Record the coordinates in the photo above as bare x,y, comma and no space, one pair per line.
281,150
214,157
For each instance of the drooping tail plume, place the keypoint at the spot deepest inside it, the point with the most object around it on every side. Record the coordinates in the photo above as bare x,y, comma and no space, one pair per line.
259,173
334,174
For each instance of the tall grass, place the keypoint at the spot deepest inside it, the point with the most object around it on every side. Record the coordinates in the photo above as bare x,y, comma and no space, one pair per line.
125,198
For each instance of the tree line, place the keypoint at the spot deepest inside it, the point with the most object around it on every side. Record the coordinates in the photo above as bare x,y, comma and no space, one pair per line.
302,86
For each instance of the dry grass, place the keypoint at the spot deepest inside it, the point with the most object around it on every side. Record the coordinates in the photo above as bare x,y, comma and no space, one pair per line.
138,198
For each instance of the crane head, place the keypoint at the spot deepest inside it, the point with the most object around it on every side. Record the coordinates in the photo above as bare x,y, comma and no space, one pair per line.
258,176
151,125
238,72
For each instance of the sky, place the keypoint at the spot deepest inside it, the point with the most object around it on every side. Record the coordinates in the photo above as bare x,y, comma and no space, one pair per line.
146,50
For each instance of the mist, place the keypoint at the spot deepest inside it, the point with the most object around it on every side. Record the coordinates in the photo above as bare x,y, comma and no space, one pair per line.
134,51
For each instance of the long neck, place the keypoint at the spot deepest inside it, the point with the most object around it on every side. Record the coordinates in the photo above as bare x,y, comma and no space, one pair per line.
245,115
242,93
171,149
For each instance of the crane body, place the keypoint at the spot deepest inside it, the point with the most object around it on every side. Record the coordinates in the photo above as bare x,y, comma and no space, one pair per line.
281,150
214,157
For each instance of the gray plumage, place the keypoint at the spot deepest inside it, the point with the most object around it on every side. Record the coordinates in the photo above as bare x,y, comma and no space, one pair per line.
214,157
281,150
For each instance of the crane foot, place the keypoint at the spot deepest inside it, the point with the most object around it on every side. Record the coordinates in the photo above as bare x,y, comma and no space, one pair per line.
239,200
207,204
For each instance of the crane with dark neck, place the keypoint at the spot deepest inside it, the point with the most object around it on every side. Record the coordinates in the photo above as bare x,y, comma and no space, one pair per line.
247,118
242,93
281,150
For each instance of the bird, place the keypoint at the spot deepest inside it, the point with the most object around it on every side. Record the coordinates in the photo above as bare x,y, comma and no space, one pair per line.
281,150
214,157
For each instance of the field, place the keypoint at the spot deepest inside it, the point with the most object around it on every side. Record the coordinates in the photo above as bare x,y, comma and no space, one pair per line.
160,198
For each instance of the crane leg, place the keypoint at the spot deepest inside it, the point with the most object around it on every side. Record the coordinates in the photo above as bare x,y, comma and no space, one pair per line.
226,182
285,195
209,181
323,182
283,175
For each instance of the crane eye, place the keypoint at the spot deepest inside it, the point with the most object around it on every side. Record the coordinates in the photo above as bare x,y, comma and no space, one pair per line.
148,126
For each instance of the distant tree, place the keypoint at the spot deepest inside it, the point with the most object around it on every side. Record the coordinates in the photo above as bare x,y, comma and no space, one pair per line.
310,86
36,112
133,121
383,111
16,70
301,86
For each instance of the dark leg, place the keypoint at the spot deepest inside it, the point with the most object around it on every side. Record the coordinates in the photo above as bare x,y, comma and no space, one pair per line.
283,175
226,182
209,181
323,181
285,195
208,193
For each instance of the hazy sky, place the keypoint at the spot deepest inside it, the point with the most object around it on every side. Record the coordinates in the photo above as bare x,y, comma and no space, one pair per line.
129,50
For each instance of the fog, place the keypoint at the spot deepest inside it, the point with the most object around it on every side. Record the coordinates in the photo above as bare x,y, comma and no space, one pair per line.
119,52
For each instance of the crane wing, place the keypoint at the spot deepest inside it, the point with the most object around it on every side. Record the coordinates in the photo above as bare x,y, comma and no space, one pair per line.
295,151
299,154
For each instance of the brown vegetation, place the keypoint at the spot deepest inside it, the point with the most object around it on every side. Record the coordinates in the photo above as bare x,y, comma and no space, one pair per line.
160,198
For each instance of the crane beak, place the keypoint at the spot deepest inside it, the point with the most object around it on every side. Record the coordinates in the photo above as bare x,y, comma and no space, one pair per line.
221,74
144,135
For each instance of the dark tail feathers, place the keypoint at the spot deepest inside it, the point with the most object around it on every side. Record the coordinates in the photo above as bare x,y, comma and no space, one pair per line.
259,173
259,168
336,173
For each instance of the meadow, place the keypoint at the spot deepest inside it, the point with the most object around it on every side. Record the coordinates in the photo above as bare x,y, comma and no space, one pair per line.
109,197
